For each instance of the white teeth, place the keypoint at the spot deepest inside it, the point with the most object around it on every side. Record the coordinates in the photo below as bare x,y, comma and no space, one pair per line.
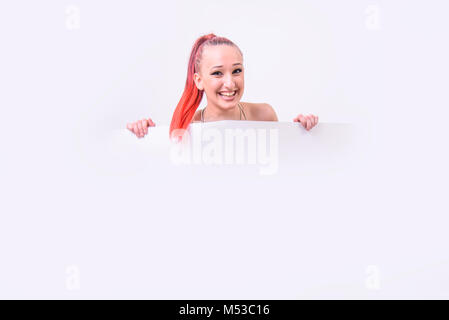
228,94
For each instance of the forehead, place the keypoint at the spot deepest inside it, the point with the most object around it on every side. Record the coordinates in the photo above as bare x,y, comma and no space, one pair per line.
221,55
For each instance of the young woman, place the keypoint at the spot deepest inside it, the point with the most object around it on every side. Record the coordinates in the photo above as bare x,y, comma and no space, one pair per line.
216,68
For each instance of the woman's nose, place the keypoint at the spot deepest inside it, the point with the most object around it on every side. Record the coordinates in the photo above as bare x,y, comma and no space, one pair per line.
229,82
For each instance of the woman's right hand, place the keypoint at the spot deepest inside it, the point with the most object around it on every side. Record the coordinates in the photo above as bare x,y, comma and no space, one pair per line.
140,128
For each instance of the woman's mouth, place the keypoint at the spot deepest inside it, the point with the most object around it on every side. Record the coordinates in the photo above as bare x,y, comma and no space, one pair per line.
228,95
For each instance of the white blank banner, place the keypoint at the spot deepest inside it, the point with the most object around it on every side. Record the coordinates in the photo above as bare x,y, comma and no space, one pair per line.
125,222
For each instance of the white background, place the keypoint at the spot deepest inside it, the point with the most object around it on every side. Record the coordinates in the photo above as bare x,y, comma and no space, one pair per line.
69,83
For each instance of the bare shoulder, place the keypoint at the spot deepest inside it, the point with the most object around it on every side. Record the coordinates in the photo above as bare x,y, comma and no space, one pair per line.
259,111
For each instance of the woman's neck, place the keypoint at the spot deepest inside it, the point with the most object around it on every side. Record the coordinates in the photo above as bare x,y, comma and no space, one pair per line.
214,113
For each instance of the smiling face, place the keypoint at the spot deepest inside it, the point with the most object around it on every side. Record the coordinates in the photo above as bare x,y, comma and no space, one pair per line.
221,76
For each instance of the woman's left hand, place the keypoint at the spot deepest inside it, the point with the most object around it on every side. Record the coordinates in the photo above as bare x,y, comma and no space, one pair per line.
308,122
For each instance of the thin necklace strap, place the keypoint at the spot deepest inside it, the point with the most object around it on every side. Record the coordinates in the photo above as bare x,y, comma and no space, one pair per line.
242,111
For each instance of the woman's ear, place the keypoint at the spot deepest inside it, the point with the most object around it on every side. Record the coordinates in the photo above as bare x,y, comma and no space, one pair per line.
198,82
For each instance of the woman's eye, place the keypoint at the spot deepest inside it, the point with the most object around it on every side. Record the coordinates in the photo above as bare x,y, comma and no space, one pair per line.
217,73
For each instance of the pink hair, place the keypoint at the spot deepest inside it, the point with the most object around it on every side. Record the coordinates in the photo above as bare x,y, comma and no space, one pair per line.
192,96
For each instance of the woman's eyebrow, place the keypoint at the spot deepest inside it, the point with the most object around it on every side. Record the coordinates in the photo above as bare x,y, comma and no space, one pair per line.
235,64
